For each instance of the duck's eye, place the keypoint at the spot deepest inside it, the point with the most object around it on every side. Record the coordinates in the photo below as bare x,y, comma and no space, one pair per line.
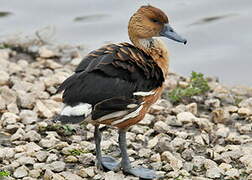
155,20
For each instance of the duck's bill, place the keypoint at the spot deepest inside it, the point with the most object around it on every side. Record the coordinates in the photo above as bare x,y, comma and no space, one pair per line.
168,32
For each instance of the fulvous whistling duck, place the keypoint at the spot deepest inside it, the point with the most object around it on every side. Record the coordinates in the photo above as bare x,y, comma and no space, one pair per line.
116,84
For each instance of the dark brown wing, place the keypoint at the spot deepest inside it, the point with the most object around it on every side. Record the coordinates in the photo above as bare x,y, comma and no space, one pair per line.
109,72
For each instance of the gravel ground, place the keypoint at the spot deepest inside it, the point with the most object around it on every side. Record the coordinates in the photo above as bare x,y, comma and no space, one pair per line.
206,137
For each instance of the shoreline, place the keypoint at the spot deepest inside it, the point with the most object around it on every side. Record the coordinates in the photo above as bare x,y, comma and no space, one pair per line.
209,137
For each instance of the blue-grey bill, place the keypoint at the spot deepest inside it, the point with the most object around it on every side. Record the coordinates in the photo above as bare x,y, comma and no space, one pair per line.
168,32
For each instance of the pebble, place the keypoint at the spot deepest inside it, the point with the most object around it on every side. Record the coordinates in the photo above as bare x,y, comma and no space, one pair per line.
161,127
20,172
70,176
4,78
186,117
57,166
232,173
175,140
28,116
175,163
32,135
220,115
153,142
192,108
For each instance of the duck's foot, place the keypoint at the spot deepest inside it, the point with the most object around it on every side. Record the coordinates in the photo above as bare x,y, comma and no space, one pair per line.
142,173
109,164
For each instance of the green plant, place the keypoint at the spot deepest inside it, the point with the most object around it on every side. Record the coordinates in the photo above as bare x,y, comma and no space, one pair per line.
197,85
77,152
4,173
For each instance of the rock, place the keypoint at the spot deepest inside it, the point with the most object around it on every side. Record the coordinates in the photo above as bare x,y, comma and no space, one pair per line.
192,108
186,117
24,160
246,103
225,166
175,163
31,147
32,136
19,135
222,131
113,176
35,173
245,129
8,95
148,119
204,124
28,116
57,166
144,152
179,109
69,176
4,78
87,158
220,116
155,158
161,127
51,158
52,64
86,172
42,110
178,143
9,118
212,103
45,52
187,154
48,143
27,100
213,171
232,173
198,162
156,109
41,156
231,109
71,159
244,111
20,172
11,108
153,142
4,54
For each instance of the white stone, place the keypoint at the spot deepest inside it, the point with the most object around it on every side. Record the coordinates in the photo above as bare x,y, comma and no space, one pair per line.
186,117
57,166
175,163
20,172
161,127
28,116
4,78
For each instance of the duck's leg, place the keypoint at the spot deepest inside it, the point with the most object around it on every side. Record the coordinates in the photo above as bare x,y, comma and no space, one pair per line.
141,172
103,163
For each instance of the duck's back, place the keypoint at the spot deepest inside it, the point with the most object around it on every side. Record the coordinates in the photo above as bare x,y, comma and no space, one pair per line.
111,71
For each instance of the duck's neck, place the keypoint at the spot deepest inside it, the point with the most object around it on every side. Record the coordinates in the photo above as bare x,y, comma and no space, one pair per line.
157,49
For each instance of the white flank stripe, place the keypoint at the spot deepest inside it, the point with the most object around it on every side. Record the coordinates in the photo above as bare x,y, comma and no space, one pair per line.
112,115
128,116
78,110
141,93
131,106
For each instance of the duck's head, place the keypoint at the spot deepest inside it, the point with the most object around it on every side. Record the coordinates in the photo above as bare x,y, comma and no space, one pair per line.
149,22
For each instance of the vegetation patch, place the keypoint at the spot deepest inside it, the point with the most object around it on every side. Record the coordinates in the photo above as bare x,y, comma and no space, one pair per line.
197,85
4,173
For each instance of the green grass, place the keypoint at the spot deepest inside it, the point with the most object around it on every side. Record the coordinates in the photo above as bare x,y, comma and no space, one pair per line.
77,152
197,85
4,173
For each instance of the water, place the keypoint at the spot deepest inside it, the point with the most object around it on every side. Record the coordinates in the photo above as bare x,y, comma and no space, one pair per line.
218,31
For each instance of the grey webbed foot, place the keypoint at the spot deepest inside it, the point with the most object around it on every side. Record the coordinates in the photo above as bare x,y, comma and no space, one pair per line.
109,163
141,172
